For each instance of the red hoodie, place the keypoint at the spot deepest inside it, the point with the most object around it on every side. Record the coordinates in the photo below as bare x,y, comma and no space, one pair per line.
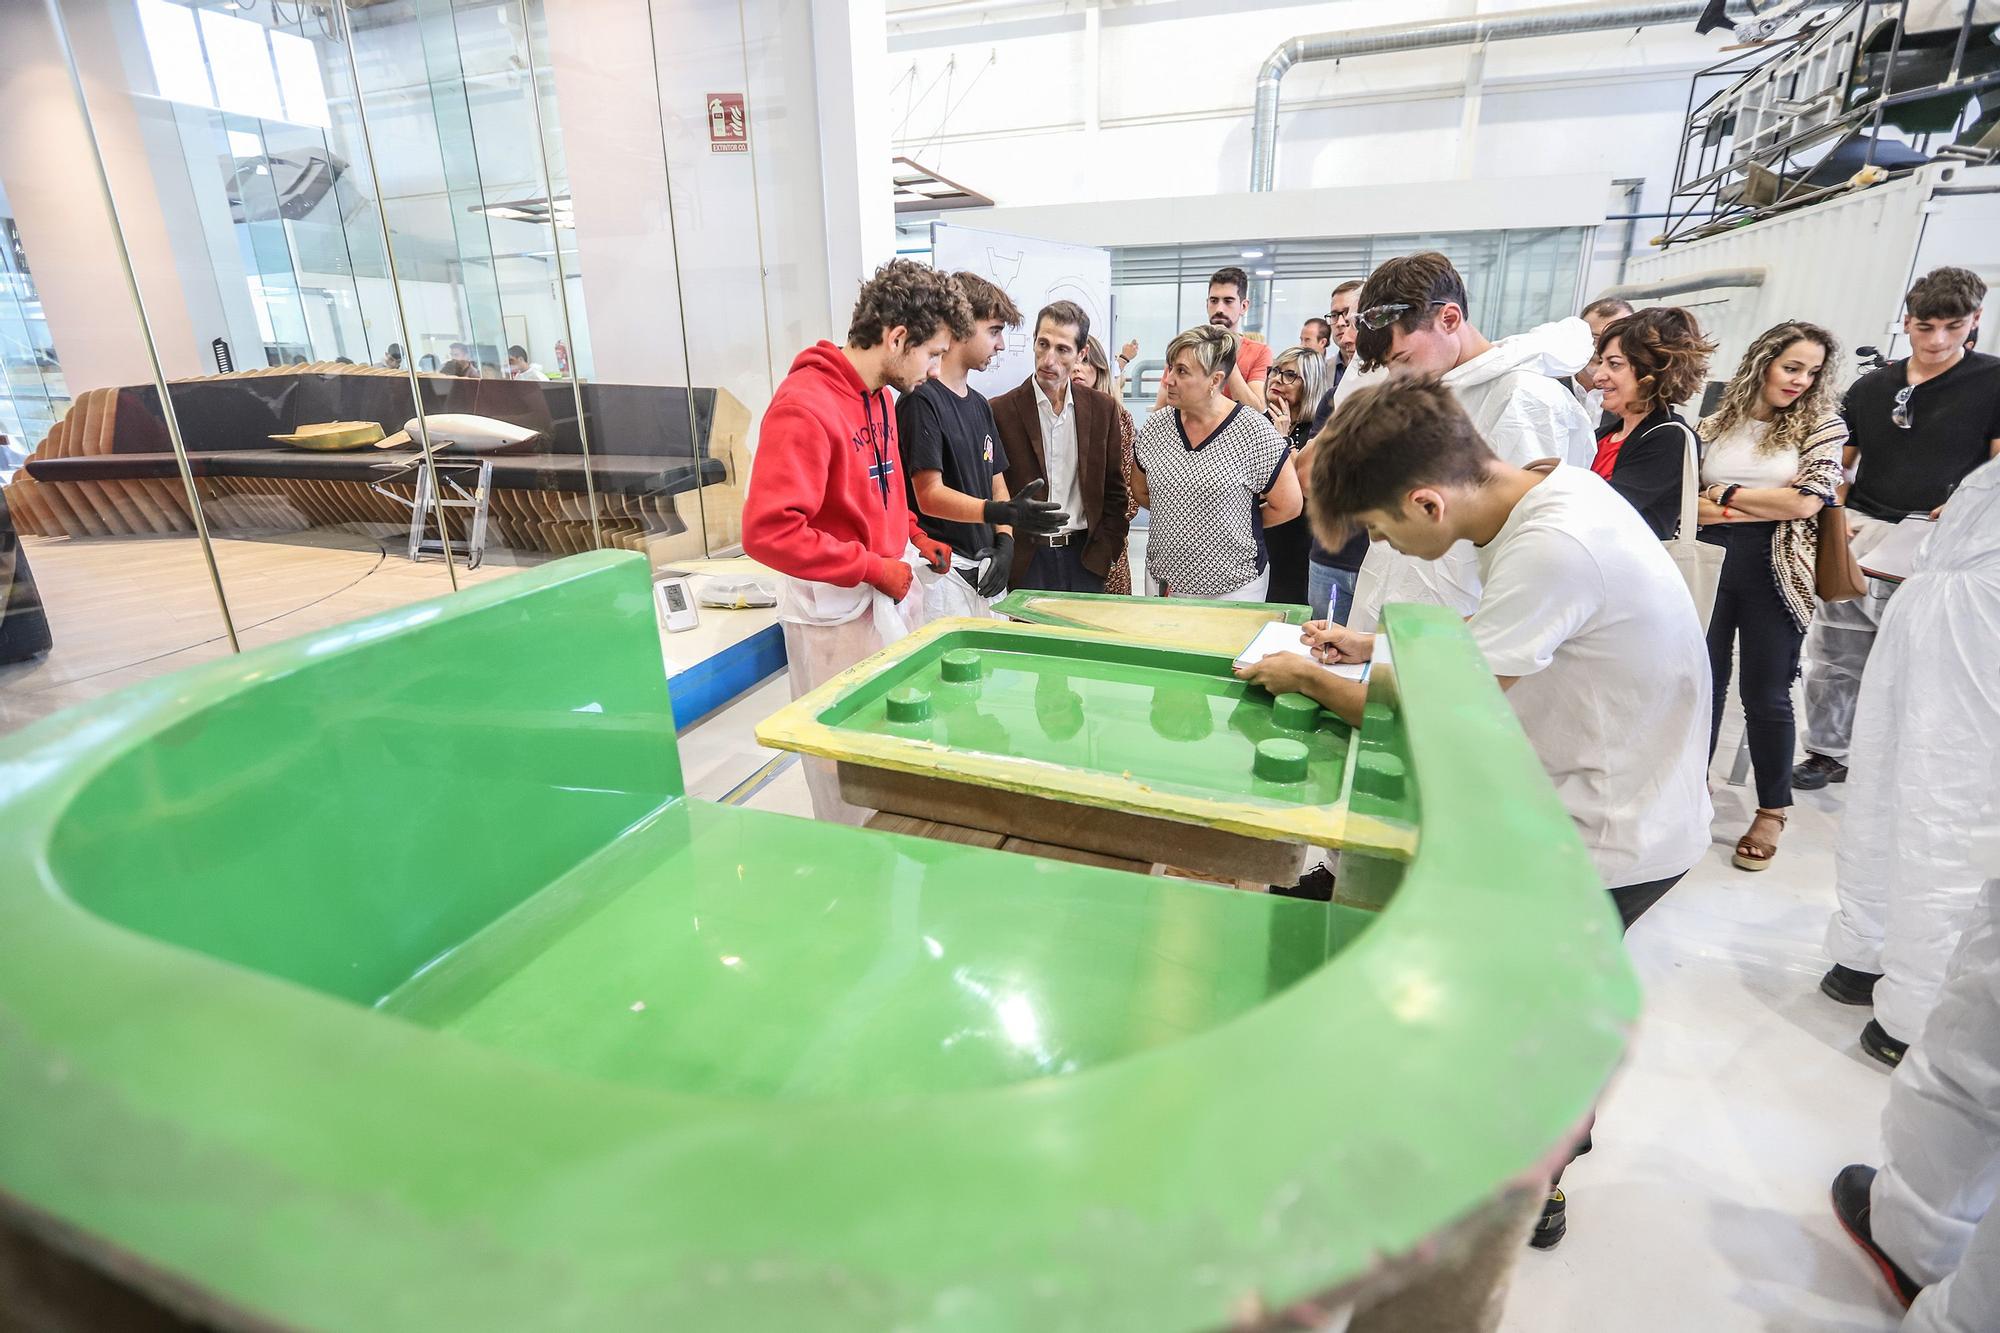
826,499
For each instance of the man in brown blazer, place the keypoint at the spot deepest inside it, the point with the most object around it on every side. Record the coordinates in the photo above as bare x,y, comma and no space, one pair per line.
1056,432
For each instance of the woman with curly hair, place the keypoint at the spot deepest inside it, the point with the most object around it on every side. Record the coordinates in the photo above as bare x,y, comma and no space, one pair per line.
1093,371
1647,363
1771,460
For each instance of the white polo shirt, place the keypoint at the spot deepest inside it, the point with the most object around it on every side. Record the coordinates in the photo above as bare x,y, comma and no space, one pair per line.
1584,605
1059,445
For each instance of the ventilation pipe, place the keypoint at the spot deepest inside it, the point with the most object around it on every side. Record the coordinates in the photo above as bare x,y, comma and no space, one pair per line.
1444,32
1689,282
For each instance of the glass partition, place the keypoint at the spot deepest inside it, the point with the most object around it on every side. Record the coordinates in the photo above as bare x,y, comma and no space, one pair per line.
437,290
106,578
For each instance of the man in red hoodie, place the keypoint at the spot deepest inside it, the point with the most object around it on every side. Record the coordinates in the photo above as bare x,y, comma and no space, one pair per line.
827,507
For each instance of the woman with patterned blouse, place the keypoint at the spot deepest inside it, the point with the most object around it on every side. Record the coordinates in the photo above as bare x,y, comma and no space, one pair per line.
1093,371
1770,462
1214,474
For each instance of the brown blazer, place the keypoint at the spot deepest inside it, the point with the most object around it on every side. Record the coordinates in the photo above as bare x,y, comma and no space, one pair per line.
1101,479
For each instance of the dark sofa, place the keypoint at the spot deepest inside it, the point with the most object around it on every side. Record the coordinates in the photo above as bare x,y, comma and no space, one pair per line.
108,467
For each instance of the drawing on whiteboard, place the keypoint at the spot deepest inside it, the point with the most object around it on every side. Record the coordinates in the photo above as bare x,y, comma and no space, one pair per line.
1034,274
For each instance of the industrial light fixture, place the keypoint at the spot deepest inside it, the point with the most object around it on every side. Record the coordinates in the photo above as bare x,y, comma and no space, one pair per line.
1253,254
1266,272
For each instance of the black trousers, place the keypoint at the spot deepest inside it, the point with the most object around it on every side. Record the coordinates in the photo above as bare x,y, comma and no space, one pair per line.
1060,569
1752,630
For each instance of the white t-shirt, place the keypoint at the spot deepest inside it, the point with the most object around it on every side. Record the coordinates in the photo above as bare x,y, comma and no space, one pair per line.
1584,605
1734,459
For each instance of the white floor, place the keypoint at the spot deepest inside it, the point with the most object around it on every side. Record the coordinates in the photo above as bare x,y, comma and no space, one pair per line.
1704,1205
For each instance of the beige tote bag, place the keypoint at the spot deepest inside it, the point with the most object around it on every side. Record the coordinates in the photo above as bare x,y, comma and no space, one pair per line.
1699,562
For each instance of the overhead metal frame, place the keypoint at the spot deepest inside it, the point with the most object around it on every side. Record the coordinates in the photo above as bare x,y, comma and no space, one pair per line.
1715,169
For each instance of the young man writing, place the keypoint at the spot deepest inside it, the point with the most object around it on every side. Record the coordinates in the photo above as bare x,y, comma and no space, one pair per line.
826,506
1414,320
1915,428
954,460
1584,621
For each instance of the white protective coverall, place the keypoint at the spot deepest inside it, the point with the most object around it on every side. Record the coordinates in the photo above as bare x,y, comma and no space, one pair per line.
1932,1202
828,629
1517,393
1925,734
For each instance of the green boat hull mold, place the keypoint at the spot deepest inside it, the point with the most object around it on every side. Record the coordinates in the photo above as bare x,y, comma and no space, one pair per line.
387,979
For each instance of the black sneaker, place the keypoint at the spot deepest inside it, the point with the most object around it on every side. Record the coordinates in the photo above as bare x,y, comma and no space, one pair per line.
1817,771
1316,884
1876,1040
1851,1207
1848,985
1554,1223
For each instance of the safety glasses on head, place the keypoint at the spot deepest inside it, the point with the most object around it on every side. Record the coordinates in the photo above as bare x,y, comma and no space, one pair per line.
1382,316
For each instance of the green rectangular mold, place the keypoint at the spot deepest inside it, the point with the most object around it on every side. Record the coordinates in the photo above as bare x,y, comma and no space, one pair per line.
1093,719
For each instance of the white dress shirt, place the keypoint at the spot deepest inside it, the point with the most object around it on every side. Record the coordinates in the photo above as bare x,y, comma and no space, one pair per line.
1059,445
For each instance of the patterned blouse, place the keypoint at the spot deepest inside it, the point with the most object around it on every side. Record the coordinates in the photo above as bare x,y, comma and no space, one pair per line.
1795,543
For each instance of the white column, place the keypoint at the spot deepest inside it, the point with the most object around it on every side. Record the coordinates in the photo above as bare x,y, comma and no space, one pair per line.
850,55
608,98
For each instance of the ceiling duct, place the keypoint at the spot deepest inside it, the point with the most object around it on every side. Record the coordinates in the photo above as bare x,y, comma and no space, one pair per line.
1435,33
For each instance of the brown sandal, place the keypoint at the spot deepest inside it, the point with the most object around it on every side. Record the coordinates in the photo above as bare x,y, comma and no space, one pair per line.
1755,853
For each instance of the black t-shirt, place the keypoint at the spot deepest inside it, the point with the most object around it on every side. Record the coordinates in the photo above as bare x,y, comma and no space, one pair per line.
1650,467
942,432
1953,419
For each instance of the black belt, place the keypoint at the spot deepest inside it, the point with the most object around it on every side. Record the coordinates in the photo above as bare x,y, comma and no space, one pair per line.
1061,539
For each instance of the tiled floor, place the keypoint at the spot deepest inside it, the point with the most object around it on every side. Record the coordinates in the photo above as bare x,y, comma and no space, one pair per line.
1703,1208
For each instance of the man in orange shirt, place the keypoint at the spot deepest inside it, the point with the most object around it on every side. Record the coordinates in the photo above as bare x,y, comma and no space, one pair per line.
1228,307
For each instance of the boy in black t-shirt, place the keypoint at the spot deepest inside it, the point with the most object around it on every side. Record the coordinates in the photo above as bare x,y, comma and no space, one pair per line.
953,459
1915,428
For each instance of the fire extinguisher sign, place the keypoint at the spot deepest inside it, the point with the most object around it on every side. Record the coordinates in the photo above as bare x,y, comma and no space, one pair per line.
728,124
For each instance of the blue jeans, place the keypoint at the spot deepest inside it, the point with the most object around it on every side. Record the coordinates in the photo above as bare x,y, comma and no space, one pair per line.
1330,592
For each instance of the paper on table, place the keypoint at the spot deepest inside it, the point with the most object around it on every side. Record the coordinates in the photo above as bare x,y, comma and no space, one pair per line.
1279,637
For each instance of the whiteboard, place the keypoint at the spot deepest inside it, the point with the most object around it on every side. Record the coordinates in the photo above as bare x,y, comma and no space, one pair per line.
1034,273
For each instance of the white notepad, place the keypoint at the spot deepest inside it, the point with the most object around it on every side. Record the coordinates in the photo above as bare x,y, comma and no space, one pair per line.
1279,637
1895,556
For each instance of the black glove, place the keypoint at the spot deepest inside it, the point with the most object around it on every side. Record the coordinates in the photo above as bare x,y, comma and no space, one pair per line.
1028,512
994,581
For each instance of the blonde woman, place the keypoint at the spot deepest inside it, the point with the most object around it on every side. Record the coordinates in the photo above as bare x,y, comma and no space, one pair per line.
1093,371
1770,462
1292,389
1215,475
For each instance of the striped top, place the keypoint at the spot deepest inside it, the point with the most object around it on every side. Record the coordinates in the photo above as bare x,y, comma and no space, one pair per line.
1207,536
1795,542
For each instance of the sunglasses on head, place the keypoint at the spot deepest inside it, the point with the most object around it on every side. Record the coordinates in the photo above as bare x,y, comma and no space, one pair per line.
1900,413
1382,316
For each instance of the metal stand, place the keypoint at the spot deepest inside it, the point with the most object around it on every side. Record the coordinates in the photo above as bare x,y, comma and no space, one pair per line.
448,480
